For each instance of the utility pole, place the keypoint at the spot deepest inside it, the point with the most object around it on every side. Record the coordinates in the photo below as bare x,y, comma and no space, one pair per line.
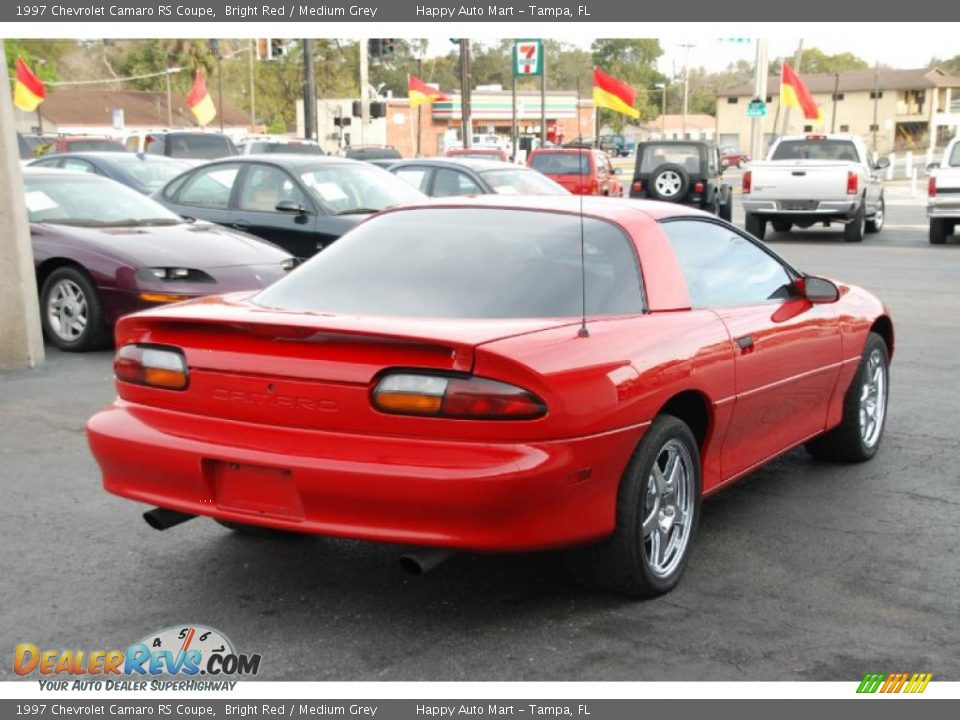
309,99
761,72
465,120
836,90
686,85
876,101
543,97
21,342
797,60
169,100
364,104
253,87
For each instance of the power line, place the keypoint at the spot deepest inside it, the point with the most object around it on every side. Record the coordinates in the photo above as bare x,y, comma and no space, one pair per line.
168,71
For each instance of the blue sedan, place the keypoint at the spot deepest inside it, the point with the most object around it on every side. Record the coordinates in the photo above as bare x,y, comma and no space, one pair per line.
144,173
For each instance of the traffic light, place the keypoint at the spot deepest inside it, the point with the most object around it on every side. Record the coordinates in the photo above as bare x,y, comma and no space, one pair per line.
375,47
263,49
357,108
388,46
342,121
378,109
278,48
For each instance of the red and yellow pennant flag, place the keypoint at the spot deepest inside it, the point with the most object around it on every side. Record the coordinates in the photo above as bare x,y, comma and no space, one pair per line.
200,102
419,92
793,93
28,90
608,92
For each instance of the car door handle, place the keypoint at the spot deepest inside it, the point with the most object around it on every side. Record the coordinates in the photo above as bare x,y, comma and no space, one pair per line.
745,344
241,225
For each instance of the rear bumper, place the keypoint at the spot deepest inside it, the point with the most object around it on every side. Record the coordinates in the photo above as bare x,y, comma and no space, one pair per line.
466,495
822,208
944,211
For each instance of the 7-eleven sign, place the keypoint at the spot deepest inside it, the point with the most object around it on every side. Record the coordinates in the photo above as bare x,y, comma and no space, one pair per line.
527,58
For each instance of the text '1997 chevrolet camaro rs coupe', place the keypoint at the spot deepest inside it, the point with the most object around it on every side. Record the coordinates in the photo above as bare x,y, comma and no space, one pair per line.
498,374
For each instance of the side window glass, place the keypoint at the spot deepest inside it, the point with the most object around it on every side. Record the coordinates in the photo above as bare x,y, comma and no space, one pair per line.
210,187
722,267
415,176
77,165
265,186
450,183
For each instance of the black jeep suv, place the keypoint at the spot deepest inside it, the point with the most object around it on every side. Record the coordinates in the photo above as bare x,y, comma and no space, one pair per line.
682,171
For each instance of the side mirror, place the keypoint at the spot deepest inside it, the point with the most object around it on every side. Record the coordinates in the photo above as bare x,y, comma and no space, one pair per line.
932,166
882,163
290,206
819,290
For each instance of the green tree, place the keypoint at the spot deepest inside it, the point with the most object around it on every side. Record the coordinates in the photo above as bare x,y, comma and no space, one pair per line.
815,61
41,56
951,66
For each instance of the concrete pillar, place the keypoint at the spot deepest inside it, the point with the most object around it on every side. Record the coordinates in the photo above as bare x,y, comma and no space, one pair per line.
21,341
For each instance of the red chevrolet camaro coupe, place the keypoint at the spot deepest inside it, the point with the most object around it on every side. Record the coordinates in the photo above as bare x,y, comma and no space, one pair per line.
498,374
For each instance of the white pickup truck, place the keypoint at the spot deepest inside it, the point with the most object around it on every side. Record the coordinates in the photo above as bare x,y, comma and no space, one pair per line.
943,191
812,179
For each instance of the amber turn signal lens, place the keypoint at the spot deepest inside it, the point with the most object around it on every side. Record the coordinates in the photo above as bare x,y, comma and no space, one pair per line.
161,297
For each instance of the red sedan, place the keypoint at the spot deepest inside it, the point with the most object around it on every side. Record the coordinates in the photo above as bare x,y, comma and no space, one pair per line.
498,374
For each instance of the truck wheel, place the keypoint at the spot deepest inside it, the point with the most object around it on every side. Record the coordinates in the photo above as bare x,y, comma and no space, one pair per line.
875,223
857,225
782,225
938,231
756,225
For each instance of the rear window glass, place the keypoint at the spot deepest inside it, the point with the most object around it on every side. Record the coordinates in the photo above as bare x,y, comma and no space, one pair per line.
199,146
815,150
93,145
561,163
955,156
467,263
686,156
286,148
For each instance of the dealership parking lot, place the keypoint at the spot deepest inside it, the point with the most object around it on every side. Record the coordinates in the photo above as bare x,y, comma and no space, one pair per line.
803,570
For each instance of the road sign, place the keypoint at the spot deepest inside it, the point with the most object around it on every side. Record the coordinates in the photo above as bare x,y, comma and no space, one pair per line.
757,108
527,58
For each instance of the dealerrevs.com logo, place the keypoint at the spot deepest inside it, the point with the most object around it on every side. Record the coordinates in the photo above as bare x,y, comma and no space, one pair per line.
185,651
894,683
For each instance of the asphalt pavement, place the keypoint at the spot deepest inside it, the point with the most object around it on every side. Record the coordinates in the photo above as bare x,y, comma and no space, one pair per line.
802,571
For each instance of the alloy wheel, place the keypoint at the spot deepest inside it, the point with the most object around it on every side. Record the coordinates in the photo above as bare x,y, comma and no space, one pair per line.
668,508
67,310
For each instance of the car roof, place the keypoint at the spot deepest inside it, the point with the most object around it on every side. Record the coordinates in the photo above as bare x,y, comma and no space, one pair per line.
477,164
110,155
562,150
33,171
285,160
617,209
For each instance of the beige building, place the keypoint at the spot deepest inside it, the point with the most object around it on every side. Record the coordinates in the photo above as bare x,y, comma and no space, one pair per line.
678,127
890,109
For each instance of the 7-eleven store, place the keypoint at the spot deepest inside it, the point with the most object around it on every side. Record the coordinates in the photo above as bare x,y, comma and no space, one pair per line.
440,124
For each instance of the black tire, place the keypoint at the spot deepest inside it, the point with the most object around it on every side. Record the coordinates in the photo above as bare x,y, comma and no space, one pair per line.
855,228
620,563
845,443
681,175
938,231
781,226
875,221
755,225
725,209
95,334
255,530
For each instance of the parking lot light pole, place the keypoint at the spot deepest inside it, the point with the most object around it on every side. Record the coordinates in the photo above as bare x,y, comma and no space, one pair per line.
662,87
21,342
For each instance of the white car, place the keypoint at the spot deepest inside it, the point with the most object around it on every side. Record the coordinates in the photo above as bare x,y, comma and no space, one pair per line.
943,195
278,144
811,179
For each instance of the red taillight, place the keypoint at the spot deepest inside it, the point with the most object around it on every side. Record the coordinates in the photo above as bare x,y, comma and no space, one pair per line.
154,365
470,398
698,187
747,182
853,183
637,186
932,186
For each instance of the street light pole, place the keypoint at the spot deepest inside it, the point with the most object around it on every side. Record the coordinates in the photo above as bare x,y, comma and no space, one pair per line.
759,91
662,87
309,102
686,84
